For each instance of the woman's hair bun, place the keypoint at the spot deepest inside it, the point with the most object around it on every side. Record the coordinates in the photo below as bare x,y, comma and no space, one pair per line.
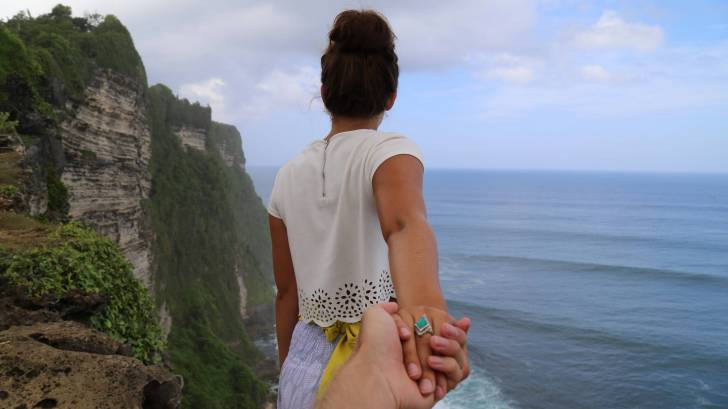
359,69
364,31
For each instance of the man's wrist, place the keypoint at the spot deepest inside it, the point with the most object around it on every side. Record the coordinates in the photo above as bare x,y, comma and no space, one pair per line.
352,387
371,378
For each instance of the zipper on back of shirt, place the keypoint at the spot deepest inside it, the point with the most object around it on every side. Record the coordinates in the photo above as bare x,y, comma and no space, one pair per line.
323,171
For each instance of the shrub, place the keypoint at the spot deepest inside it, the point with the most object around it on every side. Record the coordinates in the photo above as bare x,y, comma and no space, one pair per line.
57,196
9,192
6,125
80,259
49,59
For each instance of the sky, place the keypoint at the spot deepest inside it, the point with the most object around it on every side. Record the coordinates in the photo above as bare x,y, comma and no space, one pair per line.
512,84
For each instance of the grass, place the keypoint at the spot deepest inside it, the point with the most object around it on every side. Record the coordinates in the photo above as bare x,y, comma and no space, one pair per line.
20,232
9,168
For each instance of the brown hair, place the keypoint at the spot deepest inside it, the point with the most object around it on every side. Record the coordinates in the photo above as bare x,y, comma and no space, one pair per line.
359,70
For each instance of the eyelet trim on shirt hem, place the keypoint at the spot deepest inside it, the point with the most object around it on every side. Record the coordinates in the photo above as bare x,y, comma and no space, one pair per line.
347,303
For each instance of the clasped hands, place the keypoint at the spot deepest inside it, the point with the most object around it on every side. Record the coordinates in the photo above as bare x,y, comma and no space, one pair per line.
375,375
438,362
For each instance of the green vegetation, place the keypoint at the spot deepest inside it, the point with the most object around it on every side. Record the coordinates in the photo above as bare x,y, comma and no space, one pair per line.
20,232
57,196
89,156
48,59
9,192
183,112
9,167
80,259
6,125
208,224
223,135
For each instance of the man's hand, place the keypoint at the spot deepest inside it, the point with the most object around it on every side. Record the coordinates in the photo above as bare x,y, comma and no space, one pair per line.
375,375
376,322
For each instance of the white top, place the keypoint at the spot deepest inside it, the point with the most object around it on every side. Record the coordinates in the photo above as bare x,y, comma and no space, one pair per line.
325,198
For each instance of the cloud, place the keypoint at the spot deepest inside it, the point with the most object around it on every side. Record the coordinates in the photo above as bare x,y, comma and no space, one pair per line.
673,80
594,72
510,68
610,31
297,89
436,35
251,45
513,74
270,34
208,92
257,62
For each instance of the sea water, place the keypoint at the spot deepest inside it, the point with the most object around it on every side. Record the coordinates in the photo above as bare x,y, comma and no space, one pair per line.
586,290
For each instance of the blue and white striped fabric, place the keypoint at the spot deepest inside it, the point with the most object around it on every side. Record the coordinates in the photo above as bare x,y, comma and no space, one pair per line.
301,372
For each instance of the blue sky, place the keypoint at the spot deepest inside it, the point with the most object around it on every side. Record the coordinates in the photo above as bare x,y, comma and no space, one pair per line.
517,84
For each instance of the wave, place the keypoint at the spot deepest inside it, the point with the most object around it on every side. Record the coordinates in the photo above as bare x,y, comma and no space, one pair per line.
586,267
478,391
579,203
516,319
501,232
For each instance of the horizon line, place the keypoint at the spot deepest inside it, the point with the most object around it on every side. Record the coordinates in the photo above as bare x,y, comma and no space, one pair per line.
486,169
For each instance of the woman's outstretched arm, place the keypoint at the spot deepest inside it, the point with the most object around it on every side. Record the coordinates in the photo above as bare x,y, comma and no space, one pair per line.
285,278
397,185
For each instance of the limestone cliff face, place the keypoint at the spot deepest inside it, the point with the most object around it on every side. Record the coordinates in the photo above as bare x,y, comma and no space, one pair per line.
221,138
192,137
107,149
225,139
156,175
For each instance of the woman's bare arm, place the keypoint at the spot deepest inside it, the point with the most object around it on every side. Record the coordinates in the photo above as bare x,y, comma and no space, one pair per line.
397,185
397,188
285,278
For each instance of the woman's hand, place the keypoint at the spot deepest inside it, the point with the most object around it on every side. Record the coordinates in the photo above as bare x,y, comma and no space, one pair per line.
438,374
451,346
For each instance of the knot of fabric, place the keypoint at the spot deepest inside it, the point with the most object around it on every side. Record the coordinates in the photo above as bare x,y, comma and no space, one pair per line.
348,332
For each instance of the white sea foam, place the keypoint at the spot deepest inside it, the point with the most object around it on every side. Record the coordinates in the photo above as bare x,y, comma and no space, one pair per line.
477,392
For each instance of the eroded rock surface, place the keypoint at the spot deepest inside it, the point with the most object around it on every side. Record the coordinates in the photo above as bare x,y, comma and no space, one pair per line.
68,365
191,137
107,148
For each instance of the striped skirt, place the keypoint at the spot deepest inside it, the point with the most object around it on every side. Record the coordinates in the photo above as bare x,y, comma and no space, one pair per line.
301,372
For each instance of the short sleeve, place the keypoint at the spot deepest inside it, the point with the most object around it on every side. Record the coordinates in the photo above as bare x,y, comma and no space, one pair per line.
391,145
274,200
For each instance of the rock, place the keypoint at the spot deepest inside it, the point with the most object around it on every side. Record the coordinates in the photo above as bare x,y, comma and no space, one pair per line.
191,137
11,143
17,308
242,291
165,320
71,336
226,140
107,149
68,365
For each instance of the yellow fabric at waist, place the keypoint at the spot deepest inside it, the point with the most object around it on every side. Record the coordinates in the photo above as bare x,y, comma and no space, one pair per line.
349,333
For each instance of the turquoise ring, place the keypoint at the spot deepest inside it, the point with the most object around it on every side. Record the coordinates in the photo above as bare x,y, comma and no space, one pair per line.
422,326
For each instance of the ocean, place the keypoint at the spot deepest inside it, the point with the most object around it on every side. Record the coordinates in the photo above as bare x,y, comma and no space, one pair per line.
586,289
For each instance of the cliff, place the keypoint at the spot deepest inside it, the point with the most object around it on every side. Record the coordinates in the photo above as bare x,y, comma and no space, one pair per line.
152,173
210,251
107,148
